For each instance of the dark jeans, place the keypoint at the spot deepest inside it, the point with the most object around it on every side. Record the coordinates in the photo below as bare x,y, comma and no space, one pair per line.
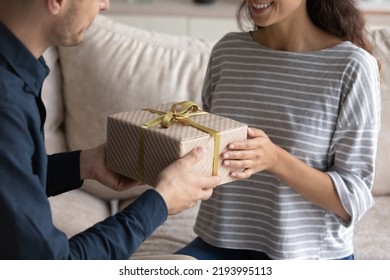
204,251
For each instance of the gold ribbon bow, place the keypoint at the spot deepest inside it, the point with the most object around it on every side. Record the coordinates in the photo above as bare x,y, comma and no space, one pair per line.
187,110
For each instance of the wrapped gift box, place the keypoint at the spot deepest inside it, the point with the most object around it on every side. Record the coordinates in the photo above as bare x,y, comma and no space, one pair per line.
140,147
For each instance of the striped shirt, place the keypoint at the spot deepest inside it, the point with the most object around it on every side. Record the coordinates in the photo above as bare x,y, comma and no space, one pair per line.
323,107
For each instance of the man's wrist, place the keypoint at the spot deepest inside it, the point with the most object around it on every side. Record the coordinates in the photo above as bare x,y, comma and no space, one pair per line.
85,165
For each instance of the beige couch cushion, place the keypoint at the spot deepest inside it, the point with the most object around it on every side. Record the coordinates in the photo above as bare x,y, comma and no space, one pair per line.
128,69
382,51
52,97
372,233
77,210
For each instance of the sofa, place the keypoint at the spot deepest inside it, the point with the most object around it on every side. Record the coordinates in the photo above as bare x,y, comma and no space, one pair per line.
120,68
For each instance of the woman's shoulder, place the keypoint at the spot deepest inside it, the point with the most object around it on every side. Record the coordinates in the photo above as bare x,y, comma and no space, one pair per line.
234,38
357,55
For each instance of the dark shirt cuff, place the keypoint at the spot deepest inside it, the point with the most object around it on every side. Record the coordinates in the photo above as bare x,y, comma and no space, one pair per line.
63,173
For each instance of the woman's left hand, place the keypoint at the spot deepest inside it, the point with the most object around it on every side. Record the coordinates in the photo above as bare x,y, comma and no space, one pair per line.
253,155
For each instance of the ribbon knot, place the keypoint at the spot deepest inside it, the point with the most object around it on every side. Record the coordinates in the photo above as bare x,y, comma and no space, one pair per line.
187,110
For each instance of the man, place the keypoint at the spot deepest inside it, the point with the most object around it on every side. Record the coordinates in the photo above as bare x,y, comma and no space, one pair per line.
28,175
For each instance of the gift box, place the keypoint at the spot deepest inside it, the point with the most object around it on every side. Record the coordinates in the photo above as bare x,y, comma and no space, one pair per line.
141,143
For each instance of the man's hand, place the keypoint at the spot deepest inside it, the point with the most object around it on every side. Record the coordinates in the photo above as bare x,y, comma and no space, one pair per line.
180,187
93,166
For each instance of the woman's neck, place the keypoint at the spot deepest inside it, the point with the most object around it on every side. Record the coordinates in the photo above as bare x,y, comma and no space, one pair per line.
295,35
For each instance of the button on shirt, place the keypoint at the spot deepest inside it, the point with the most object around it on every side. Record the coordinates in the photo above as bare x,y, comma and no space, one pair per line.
28,176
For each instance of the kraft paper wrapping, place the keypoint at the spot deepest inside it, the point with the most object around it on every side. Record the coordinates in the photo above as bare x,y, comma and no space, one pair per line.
161,146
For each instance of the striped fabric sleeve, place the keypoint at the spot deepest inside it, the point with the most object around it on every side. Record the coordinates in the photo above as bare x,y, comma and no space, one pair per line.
354,143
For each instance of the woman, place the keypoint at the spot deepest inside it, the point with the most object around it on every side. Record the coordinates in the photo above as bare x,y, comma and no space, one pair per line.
306,83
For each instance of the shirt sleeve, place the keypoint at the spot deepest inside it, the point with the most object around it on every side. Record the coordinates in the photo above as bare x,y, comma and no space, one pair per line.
354,144
57,180
120,235
27,230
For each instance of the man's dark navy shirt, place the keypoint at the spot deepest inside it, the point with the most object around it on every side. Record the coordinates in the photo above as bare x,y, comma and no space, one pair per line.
28,175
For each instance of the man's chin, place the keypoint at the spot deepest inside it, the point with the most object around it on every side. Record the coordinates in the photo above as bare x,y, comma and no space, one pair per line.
74,41
79,37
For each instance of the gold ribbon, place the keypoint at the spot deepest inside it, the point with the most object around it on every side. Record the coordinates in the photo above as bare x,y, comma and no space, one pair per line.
187,110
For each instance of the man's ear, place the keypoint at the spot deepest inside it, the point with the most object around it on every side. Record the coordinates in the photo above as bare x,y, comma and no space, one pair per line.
55,6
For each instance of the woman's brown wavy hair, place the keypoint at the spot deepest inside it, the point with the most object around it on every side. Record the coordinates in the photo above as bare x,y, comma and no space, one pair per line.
341,18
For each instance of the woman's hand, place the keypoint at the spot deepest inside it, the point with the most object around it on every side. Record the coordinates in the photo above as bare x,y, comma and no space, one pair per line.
256,154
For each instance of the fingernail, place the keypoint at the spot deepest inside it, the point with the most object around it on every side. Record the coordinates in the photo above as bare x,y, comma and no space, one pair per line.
227,163
225,155
231,146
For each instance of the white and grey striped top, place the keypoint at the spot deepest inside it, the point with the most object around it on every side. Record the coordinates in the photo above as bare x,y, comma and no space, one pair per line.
323,107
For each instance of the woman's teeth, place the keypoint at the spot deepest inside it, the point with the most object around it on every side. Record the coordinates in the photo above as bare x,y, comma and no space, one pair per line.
262,6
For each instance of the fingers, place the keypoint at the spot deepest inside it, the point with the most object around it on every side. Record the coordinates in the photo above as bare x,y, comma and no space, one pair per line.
211,182
252,155
238,164
237,154
246,173
254,132
255,135
123,183
180,187
193,156
206,194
